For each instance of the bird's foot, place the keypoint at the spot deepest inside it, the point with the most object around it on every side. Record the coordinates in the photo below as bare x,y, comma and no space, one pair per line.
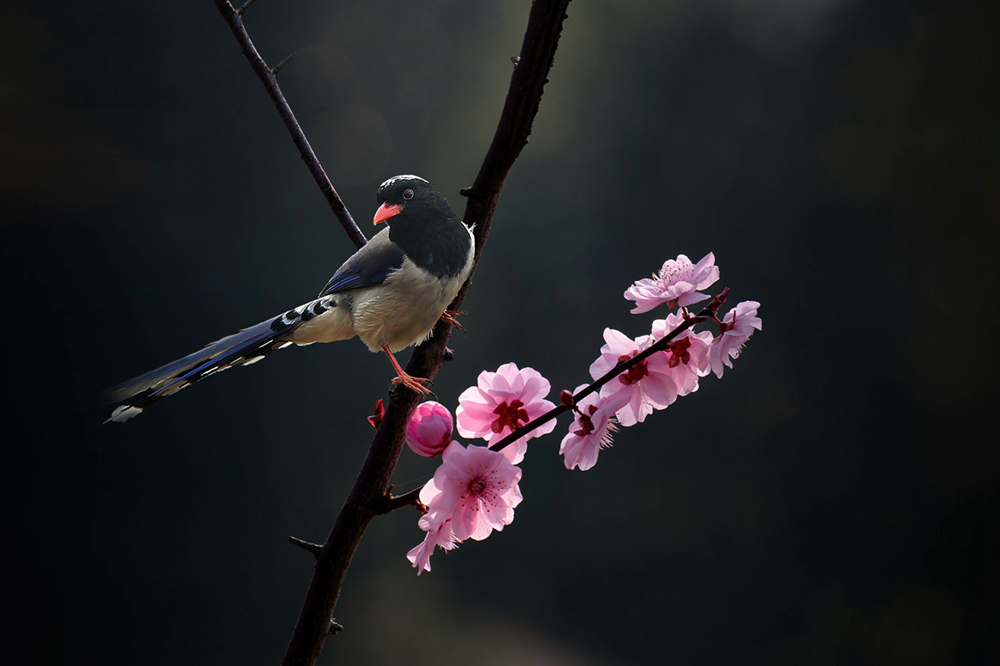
449,316
415,384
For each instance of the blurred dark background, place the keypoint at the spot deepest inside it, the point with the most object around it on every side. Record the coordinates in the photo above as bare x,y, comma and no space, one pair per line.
831,501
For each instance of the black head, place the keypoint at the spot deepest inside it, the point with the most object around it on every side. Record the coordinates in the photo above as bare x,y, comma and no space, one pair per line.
423,224
410,198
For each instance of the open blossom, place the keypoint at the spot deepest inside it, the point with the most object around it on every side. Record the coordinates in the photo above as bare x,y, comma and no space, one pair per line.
428,431
737,327
646,385
687,354
502,402
593,423
438,534
475,488
678,283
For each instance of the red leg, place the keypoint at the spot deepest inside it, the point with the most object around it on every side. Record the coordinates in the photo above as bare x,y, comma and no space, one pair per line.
415,384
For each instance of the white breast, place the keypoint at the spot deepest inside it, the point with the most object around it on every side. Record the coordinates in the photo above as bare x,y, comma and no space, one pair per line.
404,309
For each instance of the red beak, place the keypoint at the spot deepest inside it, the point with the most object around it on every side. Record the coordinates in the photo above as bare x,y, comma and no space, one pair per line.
386,211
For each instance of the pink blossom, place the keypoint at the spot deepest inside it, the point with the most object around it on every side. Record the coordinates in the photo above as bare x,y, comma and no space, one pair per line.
647,385
428,431
737,327
676,284
591,430
475,488
438,534
502,402
687,354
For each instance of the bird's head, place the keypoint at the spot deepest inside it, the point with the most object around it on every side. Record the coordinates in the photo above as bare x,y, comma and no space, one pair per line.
424,225
410,198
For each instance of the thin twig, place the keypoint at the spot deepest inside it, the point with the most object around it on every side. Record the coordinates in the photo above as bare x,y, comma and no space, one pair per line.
246,6
313,548
389,503
289,58
266,75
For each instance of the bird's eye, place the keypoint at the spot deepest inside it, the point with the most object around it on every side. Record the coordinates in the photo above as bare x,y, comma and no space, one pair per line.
407,194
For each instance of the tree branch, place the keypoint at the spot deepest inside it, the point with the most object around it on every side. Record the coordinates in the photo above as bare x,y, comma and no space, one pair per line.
523,97
267,76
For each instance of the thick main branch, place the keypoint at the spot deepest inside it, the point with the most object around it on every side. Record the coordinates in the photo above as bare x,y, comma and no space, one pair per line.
523,97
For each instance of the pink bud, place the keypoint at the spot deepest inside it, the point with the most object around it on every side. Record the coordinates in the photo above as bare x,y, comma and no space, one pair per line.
428,431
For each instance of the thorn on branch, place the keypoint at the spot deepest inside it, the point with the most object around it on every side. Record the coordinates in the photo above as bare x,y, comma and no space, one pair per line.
313,548
448,354
388,503
516,60
274,70
246,6
466,191
335,627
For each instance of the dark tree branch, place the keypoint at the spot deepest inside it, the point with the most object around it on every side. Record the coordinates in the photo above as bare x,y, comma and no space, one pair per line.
267,76
523,97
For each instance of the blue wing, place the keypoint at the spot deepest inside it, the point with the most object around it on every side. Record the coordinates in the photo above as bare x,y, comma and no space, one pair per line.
367,267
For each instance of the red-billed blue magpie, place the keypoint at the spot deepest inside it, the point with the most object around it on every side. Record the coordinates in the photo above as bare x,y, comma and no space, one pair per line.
390,294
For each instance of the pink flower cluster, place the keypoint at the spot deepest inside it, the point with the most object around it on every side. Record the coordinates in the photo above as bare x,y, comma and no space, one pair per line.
475,489
659,379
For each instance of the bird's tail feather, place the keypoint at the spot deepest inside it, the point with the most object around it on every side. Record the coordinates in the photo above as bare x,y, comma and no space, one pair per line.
243,348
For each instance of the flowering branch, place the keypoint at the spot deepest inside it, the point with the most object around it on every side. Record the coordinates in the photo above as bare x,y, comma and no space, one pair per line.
268,76
476,488
707,313
389,502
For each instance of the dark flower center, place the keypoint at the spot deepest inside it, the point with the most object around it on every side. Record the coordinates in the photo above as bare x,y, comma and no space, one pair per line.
635,373
512,416
678,352
477,486
586,424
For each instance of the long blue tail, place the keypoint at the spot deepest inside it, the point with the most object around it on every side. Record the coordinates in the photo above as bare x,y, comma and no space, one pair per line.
246,347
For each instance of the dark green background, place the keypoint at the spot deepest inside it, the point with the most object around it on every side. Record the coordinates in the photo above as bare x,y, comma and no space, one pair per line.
831,501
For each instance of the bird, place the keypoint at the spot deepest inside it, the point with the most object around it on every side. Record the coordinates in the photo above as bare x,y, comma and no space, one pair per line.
390,294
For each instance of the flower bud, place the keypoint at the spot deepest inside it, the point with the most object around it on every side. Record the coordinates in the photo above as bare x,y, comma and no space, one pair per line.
428,431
